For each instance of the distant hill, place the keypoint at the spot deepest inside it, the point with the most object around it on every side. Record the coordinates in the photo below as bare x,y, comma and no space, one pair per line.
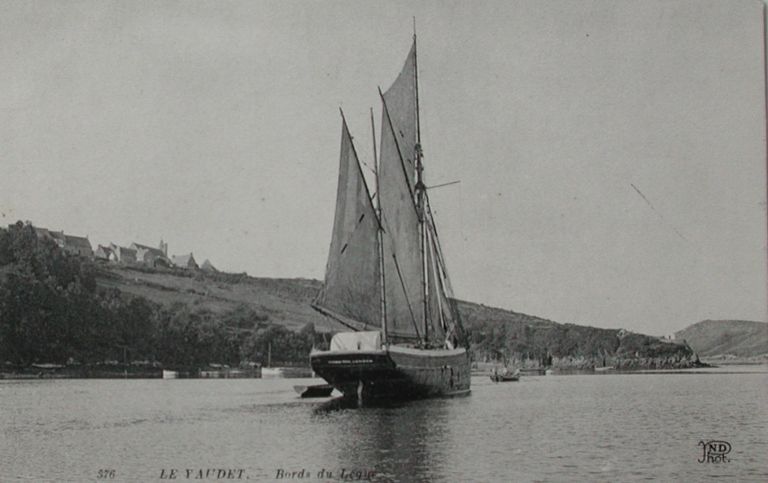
712,338
495,334
58,307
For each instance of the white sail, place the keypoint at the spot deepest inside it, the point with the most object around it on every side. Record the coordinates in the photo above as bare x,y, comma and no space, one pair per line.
401,241
401,104
352,286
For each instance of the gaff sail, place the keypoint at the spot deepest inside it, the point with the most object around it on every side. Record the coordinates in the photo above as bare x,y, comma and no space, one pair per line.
352,275
401,104
403,270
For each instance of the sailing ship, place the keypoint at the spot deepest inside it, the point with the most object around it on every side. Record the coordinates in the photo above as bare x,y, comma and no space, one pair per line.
386,279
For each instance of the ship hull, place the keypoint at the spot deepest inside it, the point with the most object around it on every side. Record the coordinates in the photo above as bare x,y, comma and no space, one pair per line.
395,373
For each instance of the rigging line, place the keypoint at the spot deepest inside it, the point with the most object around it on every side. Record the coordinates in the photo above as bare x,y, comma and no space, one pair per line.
449,326
330,314
407,302
443,184
435,273
441,257
454,305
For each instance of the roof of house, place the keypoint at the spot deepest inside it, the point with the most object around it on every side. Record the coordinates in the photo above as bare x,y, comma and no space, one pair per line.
208,266
45,232
77,242
122,251
184,260
152,250
103,249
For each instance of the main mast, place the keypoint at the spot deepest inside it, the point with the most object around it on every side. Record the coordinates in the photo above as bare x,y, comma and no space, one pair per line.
420,189
380,236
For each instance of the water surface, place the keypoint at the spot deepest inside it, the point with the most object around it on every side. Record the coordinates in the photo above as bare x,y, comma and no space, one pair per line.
612,427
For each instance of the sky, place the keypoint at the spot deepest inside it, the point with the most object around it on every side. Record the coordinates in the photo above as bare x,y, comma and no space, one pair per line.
611,154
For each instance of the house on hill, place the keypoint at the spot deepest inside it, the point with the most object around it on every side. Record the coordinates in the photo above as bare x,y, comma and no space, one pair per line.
45,234
70,244
151,256
122,255
78,245
207,266
102,252
185,261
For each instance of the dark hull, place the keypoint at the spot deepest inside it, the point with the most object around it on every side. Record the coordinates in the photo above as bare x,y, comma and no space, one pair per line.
394,374
505,377
318,390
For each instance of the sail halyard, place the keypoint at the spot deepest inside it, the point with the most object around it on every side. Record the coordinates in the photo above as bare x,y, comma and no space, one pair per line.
353,267
455,325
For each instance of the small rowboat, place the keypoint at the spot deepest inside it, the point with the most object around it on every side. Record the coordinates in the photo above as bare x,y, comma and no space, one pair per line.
318,390
506,377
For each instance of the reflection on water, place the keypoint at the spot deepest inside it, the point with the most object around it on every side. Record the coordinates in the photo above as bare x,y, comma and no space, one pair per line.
394,442
552,428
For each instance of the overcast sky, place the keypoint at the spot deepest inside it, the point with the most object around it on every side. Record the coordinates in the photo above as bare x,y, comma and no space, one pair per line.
215,126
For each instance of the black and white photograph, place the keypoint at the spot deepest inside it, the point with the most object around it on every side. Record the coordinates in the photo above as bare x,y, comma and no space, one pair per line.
383,241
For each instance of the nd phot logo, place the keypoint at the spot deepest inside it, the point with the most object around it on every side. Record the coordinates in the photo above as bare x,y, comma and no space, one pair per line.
715,451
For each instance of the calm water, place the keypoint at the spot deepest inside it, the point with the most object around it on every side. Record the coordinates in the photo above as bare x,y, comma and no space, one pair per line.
552,428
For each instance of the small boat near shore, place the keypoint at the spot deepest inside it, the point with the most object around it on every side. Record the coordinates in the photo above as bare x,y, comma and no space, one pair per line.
506,376
317,390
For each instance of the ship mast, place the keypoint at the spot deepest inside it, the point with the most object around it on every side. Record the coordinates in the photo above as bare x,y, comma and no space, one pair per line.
420,189
380,235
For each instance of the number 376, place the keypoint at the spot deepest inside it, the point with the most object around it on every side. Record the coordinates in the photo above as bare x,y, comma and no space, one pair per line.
105,474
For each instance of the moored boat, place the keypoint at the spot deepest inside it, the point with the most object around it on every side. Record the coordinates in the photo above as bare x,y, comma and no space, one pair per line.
506,376
386,278
316,390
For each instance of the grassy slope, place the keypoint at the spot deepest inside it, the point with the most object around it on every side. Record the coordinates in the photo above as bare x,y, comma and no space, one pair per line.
740,338
284,301
287,302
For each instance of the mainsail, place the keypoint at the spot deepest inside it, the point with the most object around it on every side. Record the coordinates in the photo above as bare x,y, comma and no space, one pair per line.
352,275
403,270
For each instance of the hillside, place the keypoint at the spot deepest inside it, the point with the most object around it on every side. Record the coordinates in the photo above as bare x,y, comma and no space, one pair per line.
716,338
282,301
62,308
495,334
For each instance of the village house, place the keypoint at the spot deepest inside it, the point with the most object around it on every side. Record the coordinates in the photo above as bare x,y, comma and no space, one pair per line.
122,255
207,266
45,234
102,252
72,245
185,261
150,256
78,245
